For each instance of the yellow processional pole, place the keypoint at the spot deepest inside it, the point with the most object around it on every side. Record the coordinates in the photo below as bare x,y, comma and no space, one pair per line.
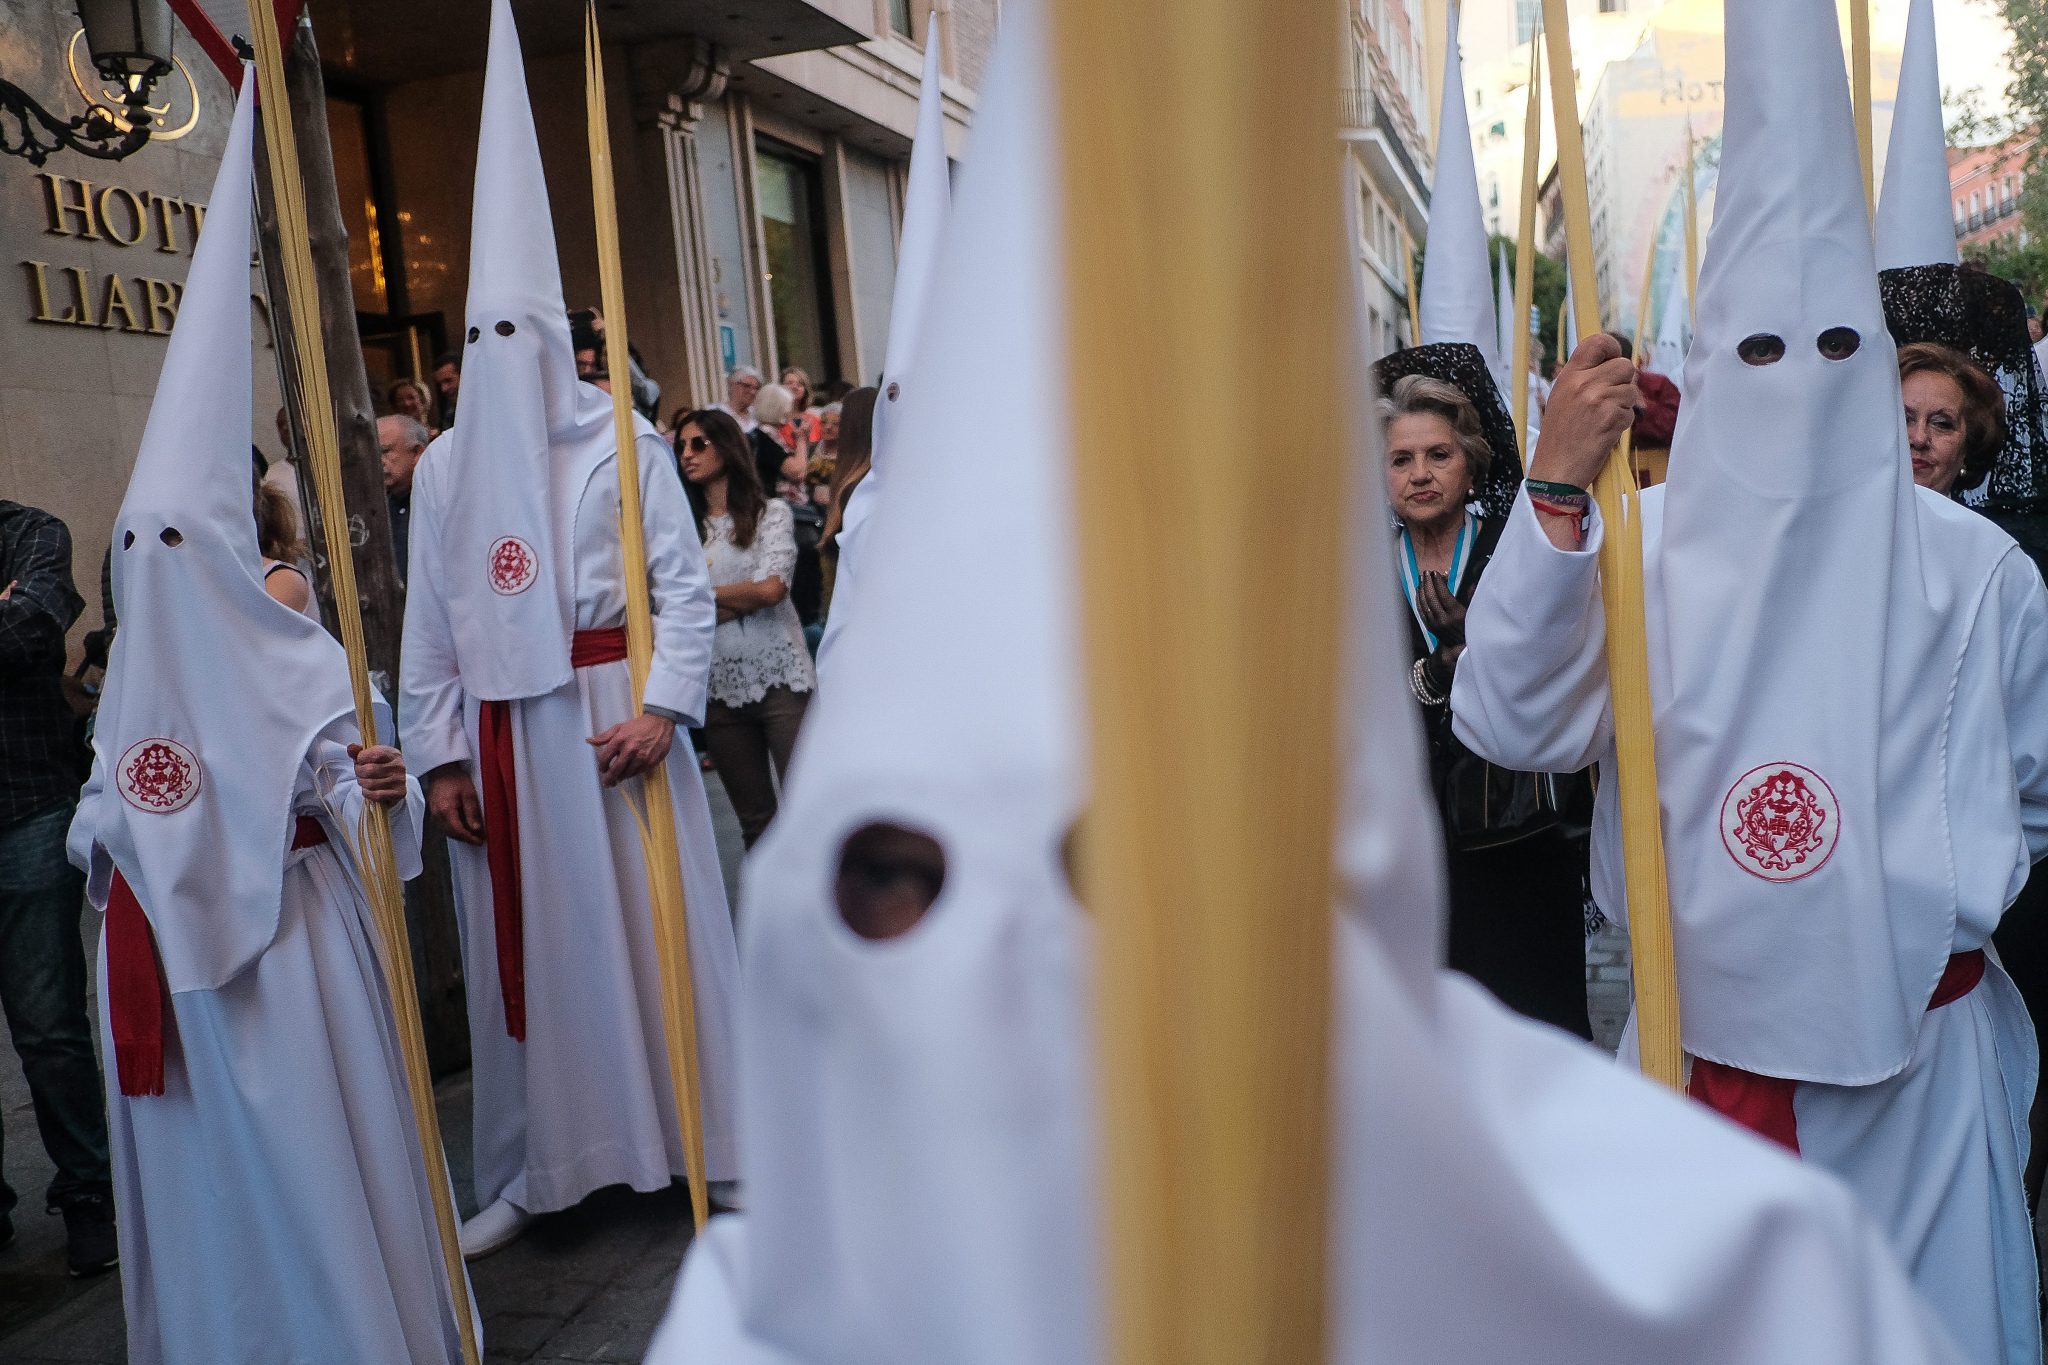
1860,80
1414,295
1636,352
1621,590
657,819
1525,246
371,845
1208,866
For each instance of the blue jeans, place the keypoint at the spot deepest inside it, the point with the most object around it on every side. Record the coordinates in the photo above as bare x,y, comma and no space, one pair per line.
42,989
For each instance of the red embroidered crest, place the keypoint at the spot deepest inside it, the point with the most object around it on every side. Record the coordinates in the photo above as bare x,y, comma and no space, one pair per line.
158,776
1780,822
513,566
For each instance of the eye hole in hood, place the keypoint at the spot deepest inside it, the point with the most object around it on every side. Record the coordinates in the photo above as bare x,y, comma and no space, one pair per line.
504,328
1838,343
1761,349
171,536
888,878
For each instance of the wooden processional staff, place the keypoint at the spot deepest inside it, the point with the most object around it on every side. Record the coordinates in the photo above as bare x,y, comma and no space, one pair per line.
1525,247
656,812
1621,593
1208,863
371,841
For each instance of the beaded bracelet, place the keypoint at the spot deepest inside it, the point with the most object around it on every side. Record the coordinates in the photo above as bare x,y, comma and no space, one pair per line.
1418,683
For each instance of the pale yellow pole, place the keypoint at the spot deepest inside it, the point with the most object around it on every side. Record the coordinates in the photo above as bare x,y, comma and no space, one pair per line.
1860,80
1525,246
370,842
1621,587
1414,294
656,809
1203,240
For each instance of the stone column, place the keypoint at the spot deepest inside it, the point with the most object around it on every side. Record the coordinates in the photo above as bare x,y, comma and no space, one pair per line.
671,80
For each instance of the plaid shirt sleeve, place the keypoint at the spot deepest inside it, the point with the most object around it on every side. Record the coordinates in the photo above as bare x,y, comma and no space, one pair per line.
41,602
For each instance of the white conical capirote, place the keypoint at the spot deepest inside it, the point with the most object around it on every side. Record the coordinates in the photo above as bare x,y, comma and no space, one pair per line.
907,1104
927,201
1457,282
1790,465
215,691
497,495
1915,213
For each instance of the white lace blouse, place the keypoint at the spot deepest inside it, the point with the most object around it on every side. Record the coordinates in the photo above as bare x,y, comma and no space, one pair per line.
765,648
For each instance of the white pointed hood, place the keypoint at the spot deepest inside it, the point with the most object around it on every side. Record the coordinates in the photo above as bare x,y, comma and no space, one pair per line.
215,691
927,202
915,1114
529,432
1795,726
1457,285
1915,215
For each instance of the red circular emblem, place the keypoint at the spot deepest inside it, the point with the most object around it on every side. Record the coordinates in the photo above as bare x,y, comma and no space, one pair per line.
158,775
513,566
1781,822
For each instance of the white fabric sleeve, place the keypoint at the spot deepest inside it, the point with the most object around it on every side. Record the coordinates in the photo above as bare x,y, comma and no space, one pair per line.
82,844
2023,612
334,774
429,681
1530,691
775,542
685,611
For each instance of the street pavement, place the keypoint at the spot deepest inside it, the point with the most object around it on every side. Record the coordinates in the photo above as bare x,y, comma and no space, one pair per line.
586,1285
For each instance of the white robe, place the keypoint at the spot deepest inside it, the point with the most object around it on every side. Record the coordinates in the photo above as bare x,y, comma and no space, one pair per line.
585,1101
1936,1152
273,1202
1479,1216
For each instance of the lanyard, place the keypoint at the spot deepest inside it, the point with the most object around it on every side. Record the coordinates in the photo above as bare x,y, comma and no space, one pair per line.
1411,572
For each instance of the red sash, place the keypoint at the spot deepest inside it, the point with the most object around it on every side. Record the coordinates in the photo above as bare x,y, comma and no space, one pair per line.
137,995
499,781
1763,1104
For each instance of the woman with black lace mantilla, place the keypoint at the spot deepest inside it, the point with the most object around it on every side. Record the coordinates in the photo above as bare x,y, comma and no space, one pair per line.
1517,857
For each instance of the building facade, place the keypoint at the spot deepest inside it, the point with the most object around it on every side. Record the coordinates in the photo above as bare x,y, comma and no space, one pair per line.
1386,128
1984,187
760,152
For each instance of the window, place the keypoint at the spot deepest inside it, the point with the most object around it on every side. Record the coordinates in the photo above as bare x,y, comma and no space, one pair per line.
791,190
900,19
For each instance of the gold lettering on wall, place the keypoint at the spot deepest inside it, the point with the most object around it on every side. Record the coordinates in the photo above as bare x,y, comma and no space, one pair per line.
140,305
136,215
161,298
116,299
62,206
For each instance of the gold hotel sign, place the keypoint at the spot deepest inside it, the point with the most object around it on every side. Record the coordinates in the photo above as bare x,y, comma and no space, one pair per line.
147,221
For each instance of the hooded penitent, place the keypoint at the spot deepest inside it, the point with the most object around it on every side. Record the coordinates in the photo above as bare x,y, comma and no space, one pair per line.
215,690
1797,729
1457,284
1915,215
915,1110
919,1119
530,433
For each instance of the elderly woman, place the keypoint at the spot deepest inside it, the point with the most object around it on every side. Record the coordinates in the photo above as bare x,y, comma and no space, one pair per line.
1955,418
1516,873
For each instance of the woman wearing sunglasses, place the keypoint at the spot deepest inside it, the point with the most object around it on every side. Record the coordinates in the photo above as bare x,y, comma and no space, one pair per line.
761,675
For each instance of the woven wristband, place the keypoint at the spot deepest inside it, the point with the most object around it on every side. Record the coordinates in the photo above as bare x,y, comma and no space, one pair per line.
1556,492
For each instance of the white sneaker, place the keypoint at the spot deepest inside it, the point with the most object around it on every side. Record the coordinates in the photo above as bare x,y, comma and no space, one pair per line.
493,1229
